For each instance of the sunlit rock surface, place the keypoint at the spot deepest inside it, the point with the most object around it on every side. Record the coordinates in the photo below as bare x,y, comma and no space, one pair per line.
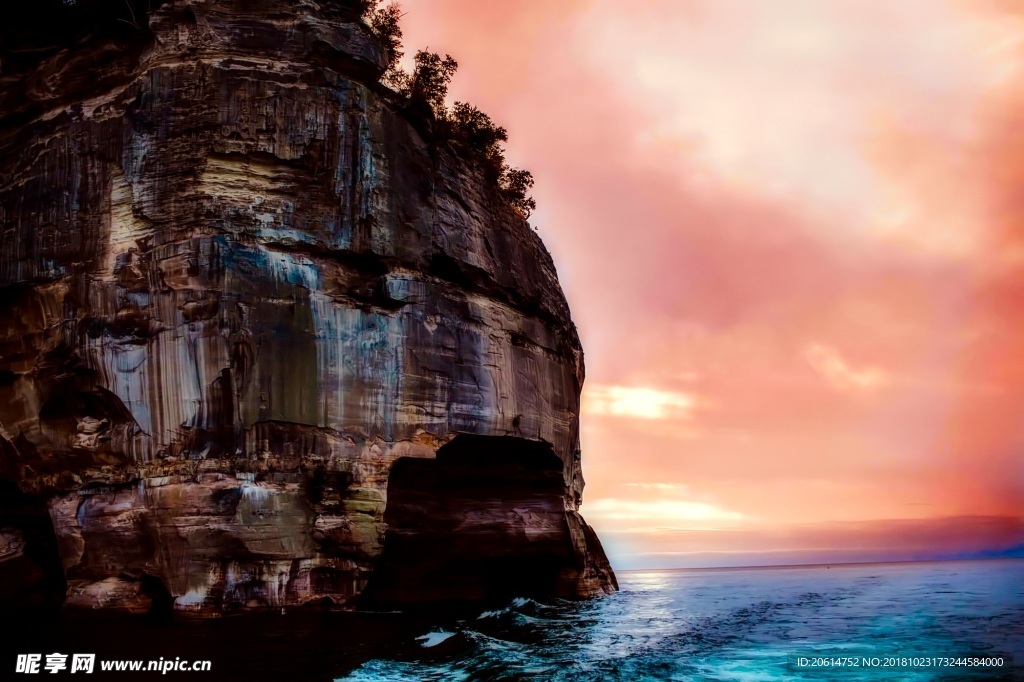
238,293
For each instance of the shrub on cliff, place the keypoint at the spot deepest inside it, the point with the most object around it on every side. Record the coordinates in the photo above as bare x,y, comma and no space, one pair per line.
429,81
477,134
384,22
515,184
470,130
474,130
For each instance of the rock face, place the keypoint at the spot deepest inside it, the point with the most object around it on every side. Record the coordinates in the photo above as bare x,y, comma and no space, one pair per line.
263,342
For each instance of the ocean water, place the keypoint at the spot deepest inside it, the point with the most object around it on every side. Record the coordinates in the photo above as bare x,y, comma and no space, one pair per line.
741,624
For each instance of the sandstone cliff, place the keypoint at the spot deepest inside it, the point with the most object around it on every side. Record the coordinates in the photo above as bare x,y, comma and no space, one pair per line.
262,341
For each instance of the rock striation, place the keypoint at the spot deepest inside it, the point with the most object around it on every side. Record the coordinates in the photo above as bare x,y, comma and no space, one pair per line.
264,342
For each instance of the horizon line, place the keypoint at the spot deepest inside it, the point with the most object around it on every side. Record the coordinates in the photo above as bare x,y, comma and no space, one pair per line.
817,565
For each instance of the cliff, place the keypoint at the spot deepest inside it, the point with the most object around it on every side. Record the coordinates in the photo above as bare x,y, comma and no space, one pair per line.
264,342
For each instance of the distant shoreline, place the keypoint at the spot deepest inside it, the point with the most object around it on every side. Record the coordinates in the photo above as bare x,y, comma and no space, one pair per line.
838,564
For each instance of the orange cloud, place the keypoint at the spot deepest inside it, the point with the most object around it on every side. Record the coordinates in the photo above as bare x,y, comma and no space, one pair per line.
637,402
648,516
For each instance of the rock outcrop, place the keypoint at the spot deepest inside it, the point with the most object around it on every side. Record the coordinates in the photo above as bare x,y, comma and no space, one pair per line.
262,341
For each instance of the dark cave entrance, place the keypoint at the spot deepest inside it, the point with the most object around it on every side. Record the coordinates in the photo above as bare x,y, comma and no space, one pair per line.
483,522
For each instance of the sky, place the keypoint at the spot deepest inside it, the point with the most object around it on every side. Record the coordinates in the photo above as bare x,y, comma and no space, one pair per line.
792,238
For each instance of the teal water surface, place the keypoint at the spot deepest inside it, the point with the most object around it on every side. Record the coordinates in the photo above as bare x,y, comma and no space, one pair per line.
744,624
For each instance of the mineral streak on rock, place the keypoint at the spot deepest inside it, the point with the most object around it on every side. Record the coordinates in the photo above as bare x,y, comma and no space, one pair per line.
260,337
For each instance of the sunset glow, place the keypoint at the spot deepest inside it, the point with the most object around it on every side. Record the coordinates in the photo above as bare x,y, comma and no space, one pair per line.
792,239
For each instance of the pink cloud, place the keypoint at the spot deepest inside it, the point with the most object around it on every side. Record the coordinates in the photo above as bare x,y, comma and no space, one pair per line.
800,219
832,366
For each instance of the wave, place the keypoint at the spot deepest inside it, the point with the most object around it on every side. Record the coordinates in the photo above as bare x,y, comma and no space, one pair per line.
522,606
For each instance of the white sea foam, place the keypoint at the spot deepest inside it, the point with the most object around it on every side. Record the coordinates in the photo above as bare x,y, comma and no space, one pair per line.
432,639
492,614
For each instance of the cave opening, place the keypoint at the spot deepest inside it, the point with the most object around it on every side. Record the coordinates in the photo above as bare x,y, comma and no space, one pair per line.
483,522
32,579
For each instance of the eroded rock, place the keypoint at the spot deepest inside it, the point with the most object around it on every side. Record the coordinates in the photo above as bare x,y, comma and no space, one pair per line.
239,295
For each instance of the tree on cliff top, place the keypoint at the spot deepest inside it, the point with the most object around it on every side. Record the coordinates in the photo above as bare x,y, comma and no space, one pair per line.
384,22
470,130
515,184
429,81
475,132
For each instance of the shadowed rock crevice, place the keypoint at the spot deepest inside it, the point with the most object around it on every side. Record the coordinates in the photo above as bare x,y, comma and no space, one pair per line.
31,577
483,522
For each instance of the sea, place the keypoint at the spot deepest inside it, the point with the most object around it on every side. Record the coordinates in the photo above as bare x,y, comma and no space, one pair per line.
956,620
